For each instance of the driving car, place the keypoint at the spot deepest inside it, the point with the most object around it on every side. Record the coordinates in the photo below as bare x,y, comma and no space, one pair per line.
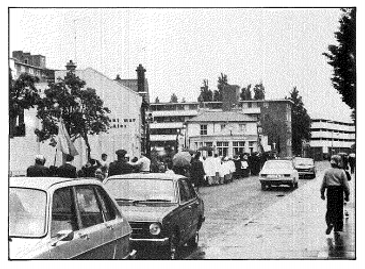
162,209
278,172
305,167
64,218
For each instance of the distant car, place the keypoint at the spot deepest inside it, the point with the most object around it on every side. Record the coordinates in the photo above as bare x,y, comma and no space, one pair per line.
278,172
305,167
63,218
162,209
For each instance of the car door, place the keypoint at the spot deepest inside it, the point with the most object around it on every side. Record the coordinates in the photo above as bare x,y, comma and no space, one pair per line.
194,206
64,217
114,221
92,226
184,211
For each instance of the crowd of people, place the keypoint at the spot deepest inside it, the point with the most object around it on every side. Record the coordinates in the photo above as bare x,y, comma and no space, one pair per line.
99,169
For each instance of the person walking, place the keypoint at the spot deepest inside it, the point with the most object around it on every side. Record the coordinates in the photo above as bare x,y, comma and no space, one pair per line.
120,166
336,184
237,163
38,169
67,169
197,171
210,169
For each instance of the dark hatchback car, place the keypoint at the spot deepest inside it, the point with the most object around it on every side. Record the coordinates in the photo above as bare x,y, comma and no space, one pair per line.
305,167
163,210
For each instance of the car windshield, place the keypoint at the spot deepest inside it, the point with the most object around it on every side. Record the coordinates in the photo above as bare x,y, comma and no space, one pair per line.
27,212
303,161
153,190
278,165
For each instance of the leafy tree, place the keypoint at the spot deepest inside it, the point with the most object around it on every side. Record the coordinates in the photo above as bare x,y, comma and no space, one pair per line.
259,91
246,93
22,95
343,59
300,120
222,81
157,100
206,95
173,98
81,110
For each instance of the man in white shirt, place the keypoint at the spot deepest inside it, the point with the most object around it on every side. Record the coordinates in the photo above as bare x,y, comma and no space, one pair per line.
144,164
210,168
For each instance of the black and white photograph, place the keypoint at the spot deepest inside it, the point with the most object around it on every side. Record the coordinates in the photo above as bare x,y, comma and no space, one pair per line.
182,132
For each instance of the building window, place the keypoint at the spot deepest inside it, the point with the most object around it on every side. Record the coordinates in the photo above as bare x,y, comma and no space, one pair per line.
125,120
203,129
26,61
242,128
223,126
222,148
238,147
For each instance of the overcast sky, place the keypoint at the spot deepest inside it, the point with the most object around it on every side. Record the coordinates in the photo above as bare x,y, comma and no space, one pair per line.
281,48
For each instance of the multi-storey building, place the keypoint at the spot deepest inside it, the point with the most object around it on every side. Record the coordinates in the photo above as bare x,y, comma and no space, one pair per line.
330,137
274,116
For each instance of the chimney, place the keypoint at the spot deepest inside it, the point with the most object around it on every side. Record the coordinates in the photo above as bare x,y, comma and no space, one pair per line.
231,97
140,78
70,66
117,78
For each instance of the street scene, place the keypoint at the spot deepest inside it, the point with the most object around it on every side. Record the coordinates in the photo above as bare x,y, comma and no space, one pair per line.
182,134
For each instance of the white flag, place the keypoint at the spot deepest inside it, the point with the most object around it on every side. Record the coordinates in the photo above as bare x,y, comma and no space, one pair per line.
65,144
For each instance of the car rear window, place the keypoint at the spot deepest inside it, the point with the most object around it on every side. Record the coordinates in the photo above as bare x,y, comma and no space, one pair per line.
278,165
141,189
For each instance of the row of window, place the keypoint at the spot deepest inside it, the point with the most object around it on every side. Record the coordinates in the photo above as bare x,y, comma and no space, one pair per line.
331,130
334,122
330,139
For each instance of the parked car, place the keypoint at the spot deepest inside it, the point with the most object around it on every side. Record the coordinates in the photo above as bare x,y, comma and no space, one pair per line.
278,172
305,167
162,209
62,218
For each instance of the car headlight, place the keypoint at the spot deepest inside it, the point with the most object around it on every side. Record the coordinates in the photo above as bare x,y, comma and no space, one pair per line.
155,228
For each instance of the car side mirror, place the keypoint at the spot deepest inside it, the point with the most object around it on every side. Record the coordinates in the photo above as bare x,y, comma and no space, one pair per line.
64,235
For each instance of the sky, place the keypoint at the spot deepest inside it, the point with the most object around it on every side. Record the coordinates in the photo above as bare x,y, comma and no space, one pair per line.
179,48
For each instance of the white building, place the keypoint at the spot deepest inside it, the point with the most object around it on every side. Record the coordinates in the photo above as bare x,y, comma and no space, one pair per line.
330,137
228,133
124,133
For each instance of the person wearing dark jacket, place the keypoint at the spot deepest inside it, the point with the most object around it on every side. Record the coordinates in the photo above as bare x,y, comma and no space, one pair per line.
120,166
336,184
197,171
38,169
67,169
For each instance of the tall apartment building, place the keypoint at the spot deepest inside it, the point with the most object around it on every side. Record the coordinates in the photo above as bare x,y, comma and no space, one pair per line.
330,137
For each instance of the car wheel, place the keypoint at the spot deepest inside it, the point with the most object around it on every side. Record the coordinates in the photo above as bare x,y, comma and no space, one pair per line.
291,185
263,186
173,246
194,241
296,185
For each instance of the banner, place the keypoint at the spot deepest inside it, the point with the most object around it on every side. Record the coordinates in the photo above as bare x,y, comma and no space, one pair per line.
65,144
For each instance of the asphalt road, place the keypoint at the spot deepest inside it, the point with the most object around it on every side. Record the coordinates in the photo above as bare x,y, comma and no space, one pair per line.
226,206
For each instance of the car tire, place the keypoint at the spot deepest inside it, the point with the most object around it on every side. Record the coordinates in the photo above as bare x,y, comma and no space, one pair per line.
292,185
172,250
194,241
263,186
296,185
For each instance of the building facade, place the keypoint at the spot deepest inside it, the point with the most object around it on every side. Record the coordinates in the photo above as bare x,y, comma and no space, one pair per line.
329,137
274,116
125,123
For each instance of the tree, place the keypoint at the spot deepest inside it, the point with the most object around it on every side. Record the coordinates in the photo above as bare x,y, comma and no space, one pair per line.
342,58
173,98
259,91
206,95
81,110
22,95
222,81
246,93
157,100
301,122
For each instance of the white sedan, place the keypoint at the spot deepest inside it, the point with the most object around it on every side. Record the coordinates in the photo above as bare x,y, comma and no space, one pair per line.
278,172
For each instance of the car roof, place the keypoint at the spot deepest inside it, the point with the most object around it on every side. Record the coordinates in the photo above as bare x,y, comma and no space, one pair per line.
280,160
44,183
160,176
302,158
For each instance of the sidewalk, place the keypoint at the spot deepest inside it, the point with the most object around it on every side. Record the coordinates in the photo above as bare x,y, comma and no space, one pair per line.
293,228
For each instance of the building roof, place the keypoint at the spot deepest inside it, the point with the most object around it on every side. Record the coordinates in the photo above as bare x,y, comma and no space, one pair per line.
222,116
